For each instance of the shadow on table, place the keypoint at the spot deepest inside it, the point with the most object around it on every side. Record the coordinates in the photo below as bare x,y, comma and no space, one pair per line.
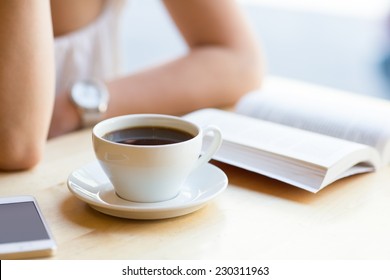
265,185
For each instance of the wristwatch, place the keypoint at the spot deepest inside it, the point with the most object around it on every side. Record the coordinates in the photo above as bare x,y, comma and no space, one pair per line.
91,99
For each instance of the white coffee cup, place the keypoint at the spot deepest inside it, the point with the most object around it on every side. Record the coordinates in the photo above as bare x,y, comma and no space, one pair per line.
151,173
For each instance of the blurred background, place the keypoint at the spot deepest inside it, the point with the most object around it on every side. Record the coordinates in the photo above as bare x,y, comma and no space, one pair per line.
343,44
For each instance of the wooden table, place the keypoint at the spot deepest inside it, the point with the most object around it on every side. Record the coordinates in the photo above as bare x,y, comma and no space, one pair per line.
255,218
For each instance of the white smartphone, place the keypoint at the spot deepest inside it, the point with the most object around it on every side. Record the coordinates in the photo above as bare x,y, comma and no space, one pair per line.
23,230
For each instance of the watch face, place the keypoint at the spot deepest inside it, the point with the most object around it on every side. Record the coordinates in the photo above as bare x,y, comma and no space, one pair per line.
87,95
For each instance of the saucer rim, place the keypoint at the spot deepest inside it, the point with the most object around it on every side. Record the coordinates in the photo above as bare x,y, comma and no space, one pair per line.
152,206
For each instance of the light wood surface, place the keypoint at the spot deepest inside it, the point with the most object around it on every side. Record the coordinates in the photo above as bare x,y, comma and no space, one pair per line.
255,218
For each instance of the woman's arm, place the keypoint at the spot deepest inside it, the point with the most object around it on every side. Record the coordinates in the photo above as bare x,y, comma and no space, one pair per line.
222,64
26,81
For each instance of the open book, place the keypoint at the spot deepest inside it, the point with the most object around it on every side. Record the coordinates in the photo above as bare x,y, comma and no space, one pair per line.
306,139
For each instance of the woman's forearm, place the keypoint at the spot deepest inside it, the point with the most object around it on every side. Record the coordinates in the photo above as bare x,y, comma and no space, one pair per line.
208,76
26,81
223,63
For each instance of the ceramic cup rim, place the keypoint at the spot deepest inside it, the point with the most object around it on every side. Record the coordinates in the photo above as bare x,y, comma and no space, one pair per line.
105,126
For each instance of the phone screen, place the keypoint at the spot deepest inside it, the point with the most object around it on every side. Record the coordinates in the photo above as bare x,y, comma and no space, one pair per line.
20,222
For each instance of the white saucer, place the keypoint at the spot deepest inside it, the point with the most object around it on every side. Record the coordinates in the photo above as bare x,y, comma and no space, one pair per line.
91,185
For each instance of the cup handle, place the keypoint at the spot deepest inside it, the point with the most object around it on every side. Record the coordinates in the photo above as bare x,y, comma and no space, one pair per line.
213,147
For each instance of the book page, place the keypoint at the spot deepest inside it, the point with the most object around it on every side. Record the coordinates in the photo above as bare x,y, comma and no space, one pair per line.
302,158
352,117
304,147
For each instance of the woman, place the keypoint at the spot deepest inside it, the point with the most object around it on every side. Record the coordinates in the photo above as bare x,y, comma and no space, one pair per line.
222,63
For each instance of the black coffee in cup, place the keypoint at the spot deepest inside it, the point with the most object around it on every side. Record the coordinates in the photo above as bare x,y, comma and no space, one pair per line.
148,136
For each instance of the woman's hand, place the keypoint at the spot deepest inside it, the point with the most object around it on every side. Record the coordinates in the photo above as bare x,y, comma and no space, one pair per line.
65,116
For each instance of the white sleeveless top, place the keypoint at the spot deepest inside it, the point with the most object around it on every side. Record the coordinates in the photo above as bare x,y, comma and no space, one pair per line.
91,52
